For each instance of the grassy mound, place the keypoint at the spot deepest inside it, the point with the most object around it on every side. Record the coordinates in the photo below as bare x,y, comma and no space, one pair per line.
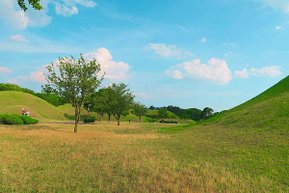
11,102
269,109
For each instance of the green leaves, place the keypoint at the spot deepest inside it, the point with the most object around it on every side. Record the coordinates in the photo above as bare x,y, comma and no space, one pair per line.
34,3
74,80
121,100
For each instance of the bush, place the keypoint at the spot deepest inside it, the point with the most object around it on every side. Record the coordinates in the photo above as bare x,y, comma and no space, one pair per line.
29,120
89,120
168,121
1,116
11,119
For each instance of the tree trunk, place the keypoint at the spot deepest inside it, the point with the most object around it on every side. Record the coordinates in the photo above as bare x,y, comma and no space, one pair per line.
77,117
118,121
109,116
139,118
101,117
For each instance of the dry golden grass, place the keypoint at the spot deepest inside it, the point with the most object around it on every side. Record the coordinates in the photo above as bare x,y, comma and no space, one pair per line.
106,158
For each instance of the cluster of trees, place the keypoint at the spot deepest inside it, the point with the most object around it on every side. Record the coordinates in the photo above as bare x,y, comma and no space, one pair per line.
77,81
190,113
115,100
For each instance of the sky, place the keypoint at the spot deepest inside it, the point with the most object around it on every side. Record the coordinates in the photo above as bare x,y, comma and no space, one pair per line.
188,53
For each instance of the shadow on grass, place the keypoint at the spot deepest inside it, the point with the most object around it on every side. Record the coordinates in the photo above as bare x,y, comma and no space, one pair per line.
178,128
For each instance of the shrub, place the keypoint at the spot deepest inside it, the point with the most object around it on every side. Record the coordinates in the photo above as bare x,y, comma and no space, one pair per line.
89,120
1,116
168,121
29,120
11,119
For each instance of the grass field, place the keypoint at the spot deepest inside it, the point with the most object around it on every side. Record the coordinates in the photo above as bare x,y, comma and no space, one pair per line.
146,157
245,149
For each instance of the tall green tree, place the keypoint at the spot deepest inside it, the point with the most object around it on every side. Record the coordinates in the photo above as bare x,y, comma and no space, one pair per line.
75,80
34,3
121,100
207,112
139,110
98,102
163,113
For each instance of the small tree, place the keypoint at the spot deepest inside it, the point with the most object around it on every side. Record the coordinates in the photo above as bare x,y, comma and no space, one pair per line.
74,80
97,103
121,100
163,113
206,113
139,110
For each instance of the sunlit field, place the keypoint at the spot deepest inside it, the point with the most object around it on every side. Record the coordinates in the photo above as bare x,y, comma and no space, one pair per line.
148,157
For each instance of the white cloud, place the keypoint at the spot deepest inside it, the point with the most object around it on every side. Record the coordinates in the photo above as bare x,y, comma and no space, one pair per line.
144,96
282,5
216,70
204,40
278,27
69,7
167,51
65,10
269,71
38,76
86,3
10,15
177,74
115,71
4,70
242,73
18,38
13,16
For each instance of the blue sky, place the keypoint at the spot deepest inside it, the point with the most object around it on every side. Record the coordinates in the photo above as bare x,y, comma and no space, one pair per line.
189,53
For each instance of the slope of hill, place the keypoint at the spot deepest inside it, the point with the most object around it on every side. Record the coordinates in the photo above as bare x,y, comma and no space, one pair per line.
269,109
13,101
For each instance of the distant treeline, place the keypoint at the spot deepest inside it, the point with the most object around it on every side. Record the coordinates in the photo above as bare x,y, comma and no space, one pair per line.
155,113
45,94
190,113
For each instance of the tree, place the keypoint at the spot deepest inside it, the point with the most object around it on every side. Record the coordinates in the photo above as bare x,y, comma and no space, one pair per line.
206,113
163,113
34,3
121,100
139,110
74,80
97,102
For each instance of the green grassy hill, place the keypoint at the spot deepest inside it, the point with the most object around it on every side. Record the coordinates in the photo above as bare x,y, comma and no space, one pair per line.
12,102
269,109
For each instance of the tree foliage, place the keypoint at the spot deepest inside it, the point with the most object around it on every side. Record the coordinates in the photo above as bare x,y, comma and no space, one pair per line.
34,3
75,80
99,102
207,112
163,113
121,100
139,110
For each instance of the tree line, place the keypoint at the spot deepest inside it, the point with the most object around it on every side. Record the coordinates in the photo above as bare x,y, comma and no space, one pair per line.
78,82
190,113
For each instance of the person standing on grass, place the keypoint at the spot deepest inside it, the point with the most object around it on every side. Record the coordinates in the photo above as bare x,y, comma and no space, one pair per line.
23,111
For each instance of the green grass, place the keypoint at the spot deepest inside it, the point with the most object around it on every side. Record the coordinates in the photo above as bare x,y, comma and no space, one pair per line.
142,158
11,102
245,149
267,110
